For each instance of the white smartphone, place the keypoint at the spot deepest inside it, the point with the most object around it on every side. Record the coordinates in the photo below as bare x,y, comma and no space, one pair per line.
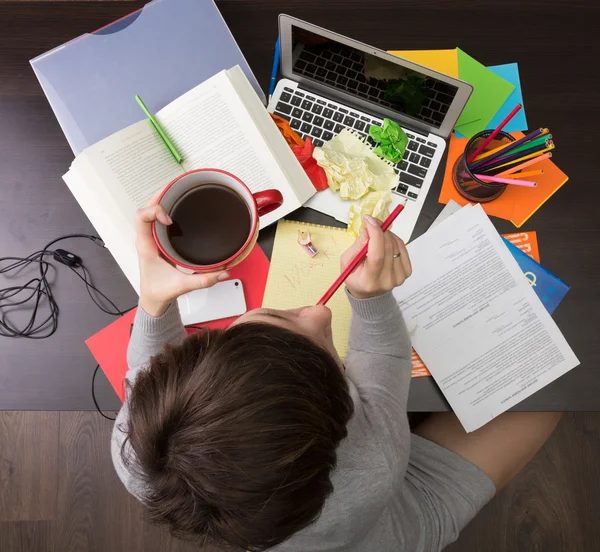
223,300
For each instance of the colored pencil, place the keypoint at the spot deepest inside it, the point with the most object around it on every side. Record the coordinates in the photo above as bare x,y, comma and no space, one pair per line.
511,181
359,257
533,161
511,155
472,186
518,159
527,173
494,133
491,152
532,135
505,149
537,142
510,158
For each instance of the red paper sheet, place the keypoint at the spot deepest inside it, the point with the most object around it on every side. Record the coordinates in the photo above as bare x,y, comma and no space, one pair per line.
109,346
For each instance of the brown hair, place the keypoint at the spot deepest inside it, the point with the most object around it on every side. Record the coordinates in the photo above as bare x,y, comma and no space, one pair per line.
235,434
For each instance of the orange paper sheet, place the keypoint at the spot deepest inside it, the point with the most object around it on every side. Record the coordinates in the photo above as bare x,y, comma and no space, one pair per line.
516,204
526,242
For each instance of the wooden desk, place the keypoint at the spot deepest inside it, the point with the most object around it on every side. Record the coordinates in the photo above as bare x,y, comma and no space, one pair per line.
557,49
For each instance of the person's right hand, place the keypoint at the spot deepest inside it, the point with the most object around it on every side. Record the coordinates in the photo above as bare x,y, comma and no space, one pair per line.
160,282
385,267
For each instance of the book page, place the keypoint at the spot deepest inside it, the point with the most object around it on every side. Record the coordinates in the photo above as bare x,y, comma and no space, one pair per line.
295,173
476,322
298,280
118,235
211,129
132,164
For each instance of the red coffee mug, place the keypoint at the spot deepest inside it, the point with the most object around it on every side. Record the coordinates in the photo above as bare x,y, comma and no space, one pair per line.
258,204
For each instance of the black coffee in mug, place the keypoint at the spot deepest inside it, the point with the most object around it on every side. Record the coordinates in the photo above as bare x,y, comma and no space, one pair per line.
210,224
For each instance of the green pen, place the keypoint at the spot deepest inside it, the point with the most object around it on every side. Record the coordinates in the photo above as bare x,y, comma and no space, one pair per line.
160,131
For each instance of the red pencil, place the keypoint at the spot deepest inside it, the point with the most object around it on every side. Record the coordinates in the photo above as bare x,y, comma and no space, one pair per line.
494,133
356,261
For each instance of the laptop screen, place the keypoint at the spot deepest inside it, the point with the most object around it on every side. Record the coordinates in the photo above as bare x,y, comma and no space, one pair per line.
381,82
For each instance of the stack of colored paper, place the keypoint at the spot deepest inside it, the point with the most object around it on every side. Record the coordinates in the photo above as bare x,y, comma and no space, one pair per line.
496,90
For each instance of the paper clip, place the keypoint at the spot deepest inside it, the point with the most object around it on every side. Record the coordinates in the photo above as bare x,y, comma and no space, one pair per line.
306,243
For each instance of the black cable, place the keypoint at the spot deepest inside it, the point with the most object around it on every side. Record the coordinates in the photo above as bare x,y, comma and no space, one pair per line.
87,280
11,298
100,411
33,293
36,291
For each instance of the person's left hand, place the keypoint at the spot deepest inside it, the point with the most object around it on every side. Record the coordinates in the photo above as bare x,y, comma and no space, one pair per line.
160,282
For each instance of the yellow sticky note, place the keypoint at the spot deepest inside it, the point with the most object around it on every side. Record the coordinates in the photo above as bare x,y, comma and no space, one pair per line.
297,280
444,61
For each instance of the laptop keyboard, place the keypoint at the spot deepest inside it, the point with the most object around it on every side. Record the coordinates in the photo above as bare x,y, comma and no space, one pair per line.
311,115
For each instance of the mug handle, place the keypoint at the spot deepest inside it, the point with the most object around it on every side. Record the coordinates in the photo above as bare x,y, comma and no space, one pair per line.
267,201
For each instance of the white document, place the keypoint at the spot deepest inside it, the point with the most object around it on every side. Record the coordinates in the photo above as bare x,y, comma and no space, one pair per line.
476,322
450,208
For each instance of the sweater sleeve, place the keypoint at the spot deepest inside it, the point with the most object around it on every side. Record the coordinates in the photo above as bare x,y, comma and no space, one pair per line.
379,365
150,334
379,349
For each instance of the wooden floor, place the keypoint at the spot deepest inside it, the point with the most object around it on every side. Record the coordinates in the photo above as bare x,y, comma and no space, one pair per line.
59,493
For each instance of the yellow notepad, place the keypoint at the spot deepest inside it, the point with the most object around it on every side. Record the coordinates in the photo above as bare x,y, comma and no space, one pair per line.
297,280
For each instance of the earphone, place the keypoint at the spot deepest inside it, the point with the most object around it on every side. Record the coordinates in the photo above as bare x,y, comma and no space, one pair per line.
36,292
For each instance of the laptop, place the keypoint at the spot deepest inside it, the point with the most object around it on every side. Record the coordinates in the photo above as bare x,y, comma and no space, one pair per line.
331,82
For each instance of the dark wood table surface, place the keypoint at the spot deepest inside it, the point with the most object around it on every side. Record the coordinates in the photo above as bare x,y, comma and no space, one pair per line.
555,43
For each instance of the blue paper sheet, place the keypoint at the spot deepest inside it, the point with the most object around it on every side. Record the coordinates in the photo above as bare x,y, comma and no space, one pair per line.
509,72
550,289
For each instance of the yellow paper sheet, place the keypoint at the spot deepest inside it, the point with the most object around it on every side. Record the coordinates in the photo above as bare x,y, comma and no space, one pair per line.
444,61
297,280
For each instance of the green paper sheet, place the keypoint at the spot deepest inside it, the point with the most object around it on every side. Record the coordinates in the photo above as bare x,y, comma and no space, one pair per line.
489,94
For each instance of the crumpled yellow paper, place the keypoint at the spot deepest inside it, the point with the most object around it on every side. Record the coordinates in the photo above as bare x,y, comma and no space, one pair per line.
376,204
352,168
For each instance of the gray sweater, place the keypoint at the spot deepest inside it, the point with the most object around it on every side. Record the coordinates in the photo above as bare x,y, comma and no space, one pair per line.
386,497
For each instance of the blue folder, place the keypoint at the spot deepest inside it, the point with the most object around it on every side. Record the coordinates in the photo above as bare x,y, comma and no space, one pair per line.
159,52
549,288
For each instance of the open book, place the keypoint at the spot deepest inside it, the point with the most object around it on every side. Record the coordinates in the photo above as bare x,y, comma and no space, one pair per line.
220,123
